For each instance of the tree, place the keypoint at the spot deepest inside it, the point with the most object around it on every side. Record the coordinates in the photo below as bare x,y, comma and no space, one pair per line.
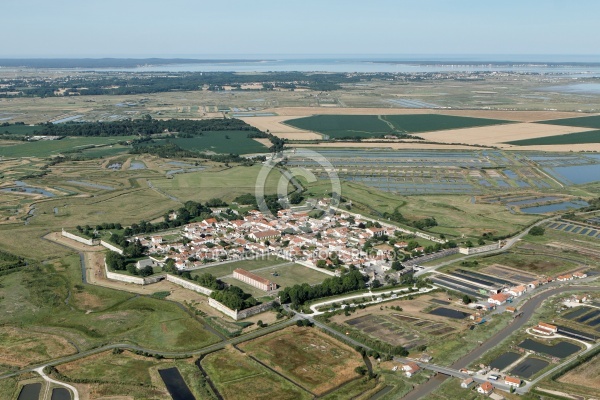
537,231
115,261
375,284
397,266
321,263
296,198
466,299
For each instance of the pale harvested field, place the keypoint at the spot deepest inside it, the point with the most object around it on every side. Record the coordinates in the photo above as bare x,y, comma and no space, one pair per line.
520,116
497,135
586,375
380,145
276,126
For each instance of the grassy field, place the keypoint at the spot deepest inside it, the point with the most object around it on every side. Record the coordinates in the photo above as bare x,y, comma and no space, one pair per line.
236,142
306,356
129,374
365,126
456,215
436,122
237,376
50,299
226,184
19,347
46,148
585,122
289,275
571,138
19,129
338,126
249,265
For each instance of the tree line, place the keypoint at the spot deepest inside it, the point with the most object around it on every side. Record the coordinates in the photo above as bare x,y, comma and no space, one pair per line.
299,294
143,127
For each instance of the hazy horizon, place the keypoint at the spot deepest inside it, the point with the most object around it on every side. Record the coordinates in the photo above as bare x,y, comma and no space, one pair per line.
151,28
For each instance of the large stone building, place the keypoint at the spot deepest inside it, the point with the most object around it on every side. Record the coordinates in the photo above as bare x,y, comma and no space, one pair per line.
254,280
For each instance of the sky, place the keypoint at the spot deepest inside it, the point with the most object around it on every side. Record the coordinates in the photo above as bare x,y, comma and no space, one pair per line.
199,28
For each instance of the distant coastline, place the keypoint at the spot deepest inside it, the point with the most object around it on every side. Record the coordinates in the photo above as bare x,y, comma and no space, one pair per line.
576,65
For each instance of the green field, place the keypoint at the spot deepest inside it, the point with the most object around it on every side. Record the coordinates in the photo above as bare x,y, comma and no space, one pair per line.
236,142
289,275
584,122
225,184
237,376
249,265
50,298
19,129
366,126
46,148
569,138
456,215
437,122
339,126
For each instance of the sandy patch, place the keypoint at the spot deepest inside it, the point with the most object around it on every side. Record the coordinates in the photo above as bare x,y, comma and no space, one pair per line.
264,142
275,125
389,145
497,135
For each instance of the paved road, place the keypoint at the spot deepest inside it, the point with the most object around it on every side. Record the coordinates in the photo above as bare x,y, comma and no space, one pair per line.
46,395
527,309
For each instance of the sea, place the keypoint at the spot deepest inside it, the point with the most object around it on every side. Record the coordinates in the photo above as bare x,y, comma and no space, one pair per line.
576,66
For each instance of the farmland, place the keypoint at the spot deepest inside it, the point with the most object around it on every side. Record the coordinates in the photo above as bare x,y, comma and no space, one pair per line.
311,359
236,142
571,138
411,327
585,375
437,122
366,126
237,376
585,122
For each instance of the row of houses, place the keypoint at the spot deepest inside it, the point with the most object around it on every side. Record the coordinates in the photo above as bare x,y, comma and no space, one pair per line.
293,234
517,291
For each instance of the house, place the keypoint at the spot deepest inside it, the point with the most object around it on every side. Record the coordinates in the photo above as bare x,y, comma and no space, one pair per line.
425,358
265,235
564,278
510,381
545,329
511,310
485,388
410,369
517,291
533,284
466,383
579,275
498,299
